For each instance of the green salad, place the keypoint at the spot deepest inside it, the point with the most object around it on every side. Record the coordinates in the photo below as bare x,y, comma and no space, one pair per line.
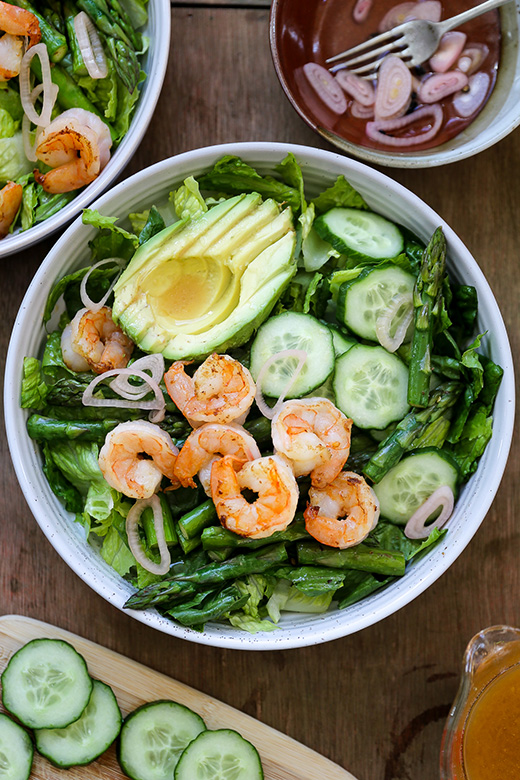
320,310
70,76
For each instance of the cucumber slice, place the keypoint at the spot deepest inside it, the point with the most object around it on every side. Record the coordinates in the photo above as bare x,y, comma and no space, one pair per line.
220,755
362,300
362,235
88,737
292,330
340,341
371,386
408,484
154,736
46,684
16,750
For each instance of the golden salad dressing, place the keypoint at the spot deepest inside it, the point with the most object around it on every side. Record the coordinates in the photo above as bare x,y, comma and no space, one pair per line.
491,735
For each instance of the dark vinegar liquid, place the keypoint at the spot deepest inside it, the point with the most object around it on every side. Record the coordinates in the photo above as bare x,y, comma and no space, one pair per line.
334,31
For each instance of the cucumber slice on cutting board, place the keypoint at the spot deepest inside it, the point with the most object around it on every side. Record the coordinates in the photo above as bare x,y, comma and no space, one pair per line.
154,736
220,755
16,750
408,484
46,684
361,235
88,737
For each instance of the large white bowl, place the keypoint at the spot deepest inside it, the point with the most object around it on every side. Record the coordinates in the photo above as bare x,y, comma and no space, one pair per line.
154,62
320,169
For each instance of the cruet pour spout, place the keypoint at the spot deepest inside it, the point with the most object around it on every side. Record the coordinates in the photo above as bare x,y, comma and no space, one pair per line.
489,653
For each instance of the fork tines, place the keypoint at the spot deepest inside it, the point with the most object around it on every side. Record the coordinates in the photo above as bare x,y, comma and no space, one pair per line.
366,58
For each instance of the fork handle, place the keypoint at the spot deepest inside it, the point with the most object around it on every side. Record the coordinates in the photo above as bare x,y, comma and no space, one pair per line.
465,16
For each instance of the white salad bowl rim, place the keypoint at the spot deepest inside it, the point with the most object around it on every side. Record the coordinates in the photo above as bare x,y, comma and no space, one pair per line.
67,537
154,62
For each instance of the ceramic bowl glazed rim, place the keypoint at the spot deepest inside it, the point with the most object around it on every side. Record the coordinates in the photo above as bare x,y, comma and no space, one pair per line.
331,625
427,158
157,54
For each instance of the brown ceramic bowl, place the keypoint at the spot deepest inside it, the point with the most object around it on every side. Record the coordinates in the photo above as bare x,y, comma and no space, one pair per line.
304,31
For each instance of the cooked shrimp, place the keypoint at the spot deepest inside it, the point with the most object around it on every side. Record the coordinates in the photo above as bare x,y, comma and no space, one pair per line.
221,390
17,24
315,436
96,338
76,145
122,461
206,444
343,513
274,508
10,202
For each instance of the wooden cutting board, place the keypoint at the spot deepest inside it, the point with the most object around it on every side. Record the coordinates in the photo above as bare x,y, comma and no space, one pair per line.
133,684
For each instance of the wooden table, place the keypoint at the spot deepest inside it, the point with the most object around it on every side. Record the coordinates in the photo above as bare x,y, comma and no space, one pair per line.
374,702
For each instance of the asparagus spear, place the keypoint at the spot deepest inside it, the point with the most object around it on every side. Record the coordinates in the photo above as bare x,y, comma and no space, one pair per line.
361,557
48,429
417,424
117,43
193,523
226,600
185,583
427,297
147,520
55,42
239,566
217,538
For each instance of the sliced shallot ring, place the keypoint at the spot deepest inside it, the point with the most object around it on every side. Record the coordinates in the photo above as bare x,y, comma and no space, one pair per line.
385,321
361,10
152,363
90,46
264,408
134,541
50,90
469,102
377,130
416,527
396,15
429,10
472,58
360,111
156,406
87,302
440,85
448,52
326,87
394,88
360,89
29,147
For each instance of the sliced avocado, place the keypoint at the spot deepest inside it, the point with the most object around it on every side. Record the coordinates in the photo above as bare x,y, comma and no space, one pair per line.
206,284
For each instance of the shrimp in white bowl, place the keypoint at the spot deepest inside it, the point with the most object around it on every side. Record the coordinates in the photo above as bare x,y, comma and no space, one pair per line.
76,145
342,513
315,436
136,456
17,24
93,341
221,390
10,202
207,444
271,478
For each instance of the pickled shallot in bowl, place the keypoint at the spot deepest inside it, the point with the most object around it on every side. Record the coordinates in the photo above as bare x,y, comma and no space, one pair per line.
461,100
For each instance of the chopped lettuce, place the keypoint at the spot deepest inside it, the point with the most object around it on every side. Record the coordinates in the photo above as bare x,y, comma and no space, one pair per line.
187,200
232,175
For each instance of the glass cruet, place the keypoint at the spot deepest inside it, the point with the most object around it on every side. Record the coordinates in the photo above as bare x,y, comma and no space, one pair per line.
489,654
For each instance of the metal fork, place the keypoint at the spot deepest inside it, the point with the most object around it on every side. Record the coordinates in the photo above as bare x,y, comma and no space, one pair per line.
414,41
